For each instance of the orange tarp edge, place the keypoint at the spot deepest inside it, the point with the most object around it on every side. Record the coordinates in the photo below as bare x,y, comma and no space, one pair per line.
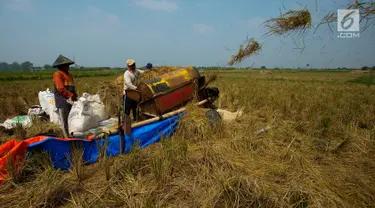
13,152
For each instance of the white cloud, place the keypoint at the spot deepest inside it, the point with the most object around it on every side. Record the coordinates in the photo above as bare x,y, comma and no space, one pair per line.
19,5
203,28
161,5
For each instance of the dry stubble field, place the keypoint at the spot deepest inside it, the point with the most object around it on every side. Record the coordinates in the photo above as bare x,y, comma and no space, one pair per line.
318,153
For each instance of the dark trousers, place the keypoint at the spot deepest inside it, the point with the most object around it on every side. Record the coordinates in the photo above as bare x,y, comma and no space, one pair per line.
64,113
130,104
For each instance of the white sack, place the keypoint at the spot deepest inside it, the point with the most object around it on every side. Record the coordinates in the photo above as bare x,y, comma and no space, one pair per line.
97,106
35,110
81,116
25,122
47,102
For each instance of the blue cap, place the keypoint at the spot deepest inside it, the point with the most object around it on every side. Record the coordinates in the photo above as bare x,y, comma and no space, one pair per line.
148,66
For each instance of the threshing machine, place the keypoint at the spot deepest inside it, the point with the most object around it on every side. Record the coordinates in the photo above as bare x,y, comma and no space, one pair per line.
172,91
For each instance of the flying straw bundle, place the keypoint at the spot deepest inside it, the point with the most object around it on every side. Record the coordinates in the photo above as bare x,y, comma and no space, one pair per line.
291,21
251,48
366,9
366,12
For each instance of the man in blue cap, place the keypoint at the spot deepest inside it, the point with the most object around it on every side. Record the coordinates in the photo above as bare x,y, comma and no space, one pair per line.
149,66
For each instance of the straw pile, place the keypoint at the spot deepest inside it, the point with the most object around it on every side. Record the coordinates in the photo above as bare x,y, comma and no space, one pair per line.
291,21
265,72
195,125
251,48
358,71
111,95
158,71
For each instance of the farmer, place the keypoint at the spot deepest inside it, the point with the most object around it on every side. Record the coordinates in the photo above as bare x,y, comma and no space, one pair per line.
131,76
64,88
148,66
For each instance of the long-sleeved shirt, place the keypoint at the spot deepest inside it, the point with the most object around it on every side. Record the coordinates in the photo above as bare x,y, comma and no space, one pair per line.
64,88
130,79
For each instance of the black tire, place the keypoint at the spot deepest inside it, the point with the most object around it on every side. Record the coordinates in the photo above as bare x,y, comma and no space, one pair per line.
213,116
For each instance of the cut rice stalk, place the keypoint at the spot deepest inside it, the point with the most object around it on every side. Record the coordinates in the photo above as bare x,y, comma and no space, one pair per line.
251,48
289,22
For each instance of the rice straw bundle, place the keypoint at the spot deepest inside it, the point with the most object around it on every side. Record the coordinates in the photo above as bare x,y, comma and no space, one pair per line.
211,76
111,95
366,9
251,48
291,21
194,125
149,74
366,12
265,72
157,71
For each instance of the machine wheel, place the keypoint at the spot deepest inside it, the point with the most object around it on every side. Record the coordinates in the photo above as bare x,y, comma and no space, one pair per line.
213,116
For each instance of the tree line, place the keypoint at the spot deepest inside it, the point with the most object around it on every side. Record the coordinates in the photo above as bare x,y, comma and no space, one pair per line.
24,66
28,66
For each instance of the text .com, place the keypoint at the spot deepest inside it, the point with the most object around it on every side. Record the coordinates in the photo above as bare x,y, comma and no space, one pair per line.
348,35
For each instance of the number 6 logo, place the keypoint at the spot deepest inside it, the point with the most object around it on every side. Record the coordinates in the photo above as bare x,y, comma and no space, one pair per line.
348,20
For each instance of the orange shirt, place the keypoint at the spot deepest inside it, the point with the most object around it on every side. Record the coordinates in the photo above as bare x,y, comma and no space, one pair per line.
64,83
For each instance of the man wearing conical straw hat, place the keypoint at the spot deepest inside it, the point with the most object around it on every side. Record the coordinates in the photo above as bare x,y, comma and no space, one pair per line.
65,92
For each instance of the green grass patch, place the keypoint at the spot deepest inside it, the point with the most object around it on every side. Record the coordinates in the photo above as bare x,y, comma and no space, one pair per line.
368,79
47,74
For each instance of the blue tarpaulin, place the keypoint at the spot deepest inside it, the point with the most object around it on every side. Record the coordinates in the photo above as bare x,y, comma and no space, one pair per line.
61,150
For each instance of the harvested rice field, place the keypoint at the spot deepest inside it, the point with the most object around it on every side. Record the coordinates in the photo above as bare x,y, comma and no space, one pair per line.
316,149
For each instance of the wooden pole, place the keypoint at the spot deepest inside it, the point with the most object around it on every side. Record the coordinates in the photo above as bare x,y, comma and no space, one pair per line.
167,115
149,121
120,125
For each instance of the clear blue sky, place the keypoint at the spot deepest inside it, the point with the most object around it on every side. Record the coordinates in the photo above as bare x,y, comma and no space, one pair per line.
172,32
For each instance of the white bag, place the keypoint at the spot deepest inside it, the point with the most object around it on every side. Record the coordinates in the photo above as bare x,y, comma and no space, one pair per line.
47,101
25,122
35,110
81,116
97,106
